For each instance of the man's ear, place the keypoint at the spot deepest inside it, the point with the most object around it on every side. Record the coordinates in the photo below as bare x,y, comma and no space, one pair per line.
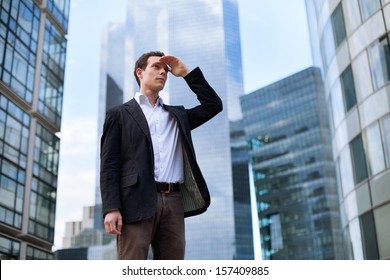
139,73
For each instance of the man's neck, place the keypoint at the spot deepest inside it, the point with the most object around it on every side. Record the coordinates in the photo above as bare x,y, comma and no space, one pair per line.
151,95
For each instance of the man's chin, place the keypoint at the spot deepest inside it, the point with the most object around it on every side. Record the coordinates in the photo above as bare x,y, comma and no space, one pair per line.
156,89
160,88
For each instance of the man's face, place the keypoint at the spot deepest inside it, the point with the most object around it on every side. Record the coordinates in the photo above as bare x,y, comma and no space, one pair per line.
154,76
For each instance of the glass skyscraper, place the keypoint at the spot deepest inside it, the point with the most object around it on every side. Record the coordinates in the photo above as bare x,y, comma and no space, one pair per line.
32,64
350,42
204,34
111,87
241,192
287,129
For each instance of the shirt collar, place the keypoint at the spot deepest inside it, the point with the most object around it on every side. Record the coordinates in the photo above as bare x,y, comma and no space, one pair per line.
143,99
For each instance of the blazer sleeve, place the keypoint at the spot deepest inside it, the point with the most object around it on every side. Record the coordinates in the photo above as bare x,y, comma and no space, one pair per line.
210,103
110,157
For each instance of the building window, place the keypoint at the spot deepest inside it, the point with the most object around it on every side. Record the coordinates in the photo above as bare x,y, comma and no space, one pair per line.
42,210
369,7
345,171
46,153
338,25
385,127
355,235
19,40
370,245
333,35
44,184
328,45
358,159
14,132
352,14
12,194
276,233
9,249
348,89
272,240
60,10
36,254
375,156
380,62
337,104
52,74
382,226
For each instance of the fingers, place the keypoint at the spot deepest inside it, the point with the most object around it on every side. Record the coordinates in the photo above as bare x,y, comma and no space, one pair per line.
113,222
172,62
170,59
175,65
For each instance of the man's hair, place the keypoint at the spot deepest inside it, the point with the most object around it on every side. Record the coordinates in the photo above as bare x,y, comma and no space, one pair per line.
142,62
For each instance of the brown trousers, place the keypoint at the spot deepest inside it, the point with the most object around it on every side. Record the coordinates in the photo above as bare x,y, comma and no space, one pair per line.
164,232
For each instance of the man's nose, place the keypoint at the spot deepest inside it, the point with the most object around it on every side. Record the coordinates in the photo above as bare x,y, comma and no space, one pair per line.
163,71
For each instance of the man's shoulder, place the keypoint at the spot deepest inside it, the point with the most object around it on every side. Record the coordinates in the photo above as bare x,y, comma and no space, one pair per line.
178,107
174,108
121,107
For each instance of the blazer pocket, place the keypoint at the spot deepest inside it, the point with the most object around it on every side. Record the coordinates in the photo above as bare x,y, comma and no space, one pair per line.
129,180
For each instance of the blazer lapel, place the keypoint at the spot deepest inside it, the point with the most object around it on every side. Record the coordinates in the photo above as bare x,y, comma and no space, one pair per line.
136,112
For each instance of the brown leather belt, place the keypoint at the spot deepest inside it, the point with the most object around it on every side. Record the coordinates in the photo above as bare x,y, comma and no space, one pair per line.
165,187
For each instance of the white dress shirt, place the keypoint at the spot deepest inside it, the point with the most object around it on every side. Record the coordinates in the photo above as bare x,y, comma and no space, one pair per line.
168,153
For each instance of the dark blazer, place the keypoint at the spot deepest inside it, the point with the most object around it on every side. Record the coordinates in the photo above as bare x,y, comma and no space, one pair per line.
127,162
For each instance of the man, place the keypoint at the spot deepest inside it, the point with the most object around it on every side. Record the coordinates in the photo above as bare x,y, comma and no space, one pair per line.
149,176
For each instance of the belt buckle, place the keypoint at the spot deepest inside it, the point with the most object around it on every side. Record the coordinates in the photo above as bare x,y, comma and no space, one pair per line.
170,188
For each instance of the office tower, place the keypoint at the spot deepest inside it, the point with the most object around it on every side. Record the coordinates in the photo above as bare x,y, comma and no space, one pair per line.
112,72
74,236
241,192
205,34
111,90
286,125
350,41
84,240
32,63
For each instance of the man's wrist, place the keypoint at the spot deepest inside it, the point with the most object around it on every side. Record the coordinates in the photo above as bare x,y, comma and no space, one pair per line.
186,72
112,210
193,75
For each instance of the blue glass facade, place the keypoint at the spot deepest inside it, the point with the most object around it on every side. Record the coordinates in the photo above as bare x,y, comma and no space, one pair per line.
241,192
31,89
19,46
287,128
51,85
111,88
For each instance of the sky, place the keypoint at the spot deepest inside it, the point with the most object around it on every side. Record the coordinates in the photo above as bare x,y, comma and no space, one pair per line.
274,44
